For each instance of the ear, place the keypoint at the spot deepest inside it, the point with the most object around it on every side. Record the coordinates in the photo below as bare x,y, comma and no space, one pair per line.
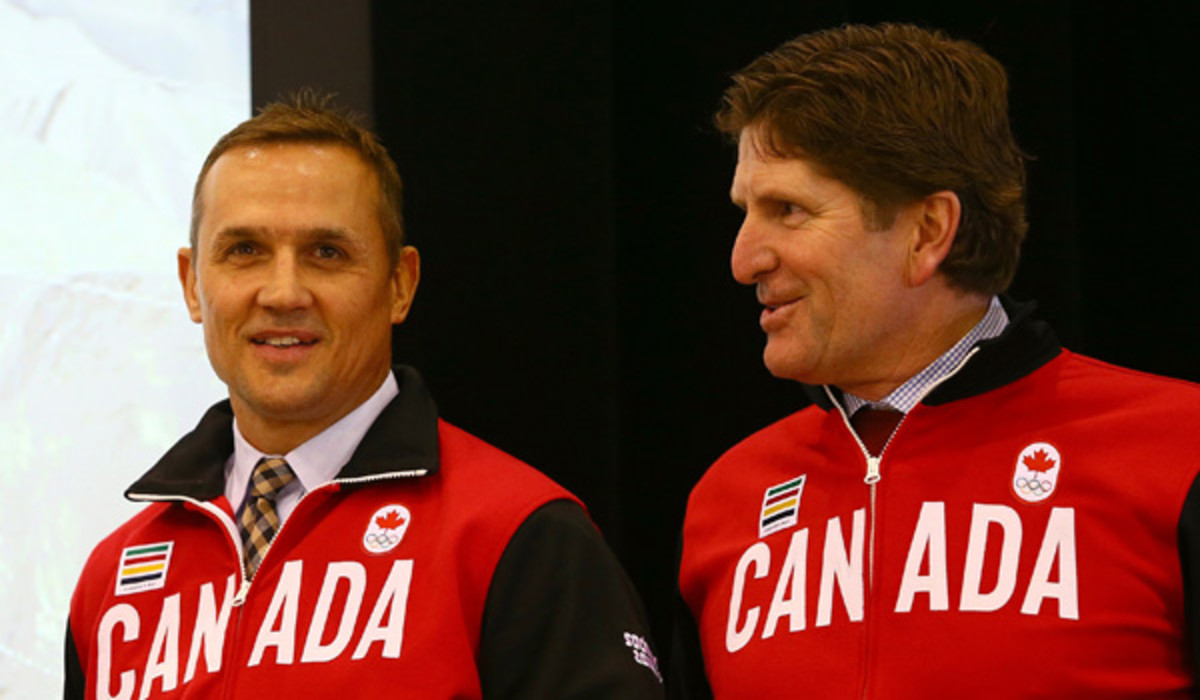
934,226
187,279
405,277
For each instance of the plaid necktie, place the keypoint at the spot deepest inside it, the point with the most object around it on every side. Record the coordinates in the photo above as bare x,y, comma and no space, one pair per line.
874,426
259,522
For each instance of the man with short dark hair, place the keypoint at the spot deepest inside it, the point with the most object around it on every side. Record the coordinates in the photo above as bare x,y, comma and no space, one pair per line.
323,533
967,510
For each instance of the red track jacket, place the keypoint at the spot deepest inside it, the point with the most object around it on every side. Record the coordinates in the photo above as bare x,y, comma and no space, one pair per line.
1030,531
434,566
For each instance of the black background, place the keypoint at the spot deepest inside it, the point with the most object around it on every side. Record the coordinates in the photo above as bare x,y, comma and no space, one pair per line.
570,200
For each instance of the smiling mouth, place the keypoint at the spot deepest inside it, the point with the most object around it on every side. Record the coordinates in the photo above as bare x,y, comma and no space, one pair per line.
775,315
780,304
286,341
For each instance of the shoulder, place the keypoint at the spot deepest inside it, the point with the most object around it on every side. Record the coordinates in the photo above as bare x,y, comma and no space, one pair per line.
1082,387
784,440
146,522
486,491
1104,377
1125,409
795,431
100,570
466,458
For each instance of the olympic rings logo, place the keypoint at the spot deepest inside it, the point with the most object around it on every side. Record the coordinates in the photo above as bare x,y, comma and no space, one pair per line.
1034,485
383,539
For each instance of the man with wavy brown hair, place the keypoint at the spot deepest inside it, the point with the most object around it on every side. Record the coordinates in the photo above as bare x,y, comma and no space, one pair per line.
967,509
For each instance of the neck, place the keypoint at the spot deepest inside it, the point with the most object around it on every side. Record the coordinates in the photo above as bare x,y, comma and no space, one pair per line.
942,322
277,438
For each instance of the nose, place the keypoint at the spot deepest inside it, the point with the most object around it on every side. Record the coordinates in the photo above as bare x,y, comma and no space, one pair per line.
284,288
752,257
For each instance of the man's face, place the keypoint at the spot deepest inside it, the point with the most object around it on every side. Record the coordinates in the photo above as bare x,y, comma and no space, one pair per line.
292,282
833,291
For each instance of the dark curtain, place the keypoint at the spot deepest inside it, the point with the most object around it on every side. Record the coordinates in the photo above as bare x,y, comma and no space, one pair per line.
570,199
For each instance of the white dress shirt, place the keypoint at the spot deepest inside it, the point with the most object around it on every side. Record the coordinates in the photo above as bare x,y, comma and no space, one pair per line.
315,462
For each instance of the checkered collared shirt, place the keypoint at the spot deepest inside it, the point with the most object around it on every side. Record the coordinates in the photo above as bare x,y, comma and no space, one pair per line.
908,394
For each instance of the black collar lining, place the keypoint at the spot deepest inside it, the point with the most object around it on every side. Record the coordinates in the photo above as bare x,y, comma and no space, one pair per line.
402,442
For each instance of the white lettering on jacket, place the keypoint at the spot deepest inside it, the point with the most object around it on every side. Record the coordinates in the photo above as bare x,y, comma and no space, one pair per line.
208,634
924,578
355,575
392,603
278,627
928,544
736,637
126,616
982,518
844,568
163,662
1058,544
160,668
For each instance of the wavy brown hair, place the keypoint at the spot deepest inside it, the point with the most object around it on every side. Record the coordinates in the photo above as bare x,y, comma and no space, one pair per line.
897,112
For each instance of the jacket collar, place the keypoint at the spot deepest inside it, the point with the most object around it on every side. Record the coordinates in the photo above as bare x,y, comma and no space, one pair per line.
1025,345
403,441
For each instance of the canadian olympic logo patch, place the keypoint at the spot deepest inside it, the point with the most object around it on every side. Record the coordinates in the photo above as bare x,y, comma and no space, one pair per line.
1035,476
386,528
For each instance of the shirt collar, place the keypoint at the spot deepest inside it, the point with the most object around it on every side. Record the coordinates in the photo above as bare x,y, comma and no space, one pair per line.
909,394
317,460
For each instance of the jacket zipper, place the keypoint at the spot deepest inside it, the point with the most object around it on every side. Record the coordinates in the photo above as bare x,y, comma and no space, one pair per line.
871,479
239,600
244,589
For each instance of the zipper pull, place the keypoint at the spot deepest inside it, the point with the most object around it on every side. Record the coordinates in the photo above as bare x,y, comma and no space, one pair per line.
872,470
241,594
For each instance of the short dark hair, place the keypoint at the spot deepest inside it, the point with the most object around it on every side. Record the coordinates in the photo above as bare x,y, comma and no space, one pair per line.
897,112
308,116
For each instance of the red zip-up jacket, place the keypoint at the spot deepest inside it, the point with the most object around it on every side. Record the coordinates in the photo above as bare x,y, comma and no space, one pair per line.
1030,531
433,566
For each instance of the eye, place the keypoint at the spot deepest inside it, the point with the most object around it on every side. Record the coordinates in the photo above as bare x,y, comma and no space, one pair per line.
326,251
793,214
241,248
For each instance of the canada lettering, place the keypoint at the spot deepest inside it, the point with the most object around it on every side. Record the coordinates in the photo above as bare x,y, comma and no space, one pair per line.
995,534
275,640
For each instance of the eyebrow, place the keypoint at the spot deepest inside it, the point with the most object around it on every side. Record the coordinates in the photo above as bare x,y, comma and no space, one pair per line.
238,232
320,233
328,235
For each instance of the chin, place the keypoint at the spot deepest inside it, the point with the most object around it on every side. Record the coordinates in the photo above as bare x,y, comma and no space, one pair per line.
788,368
779,353
280,397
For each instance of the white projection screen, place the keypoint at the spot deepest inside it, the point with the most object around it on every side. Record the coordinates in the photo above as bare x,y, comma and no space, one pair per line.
107,110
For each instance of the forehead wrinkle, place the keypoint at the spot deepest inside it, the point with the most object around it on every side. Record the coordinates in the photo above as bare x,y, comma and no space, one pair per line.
756,184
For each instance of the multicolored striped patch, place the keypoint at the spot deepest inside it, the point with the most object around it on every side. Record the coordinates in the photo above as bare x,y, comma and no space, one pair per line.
781,506
143,567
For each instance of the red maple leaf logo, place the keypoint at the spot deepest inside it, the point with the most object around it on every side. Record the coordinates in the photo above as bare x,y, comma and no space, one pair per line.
390,520
1039,462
